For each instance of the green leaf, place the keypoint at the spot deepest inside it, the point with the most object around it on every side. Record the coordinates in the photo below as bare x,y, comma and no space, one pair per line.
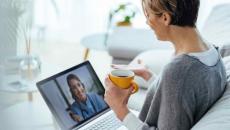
127,19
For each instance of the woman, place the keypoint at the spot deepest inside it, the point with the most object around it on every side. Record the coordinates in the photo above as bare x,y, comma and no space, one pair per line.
86,104
188,86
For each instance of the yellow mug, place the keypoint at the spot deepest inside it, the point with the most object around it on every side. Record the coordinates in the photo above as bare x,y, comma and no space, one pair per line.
123,79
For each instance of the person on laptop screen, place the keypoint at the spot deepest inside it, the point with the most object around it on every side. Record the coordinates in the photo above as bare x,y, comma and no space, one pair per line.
85,104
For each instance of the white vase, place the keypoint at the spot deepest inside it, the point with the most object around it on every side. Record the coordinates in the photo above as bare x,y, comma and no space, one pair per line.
29,69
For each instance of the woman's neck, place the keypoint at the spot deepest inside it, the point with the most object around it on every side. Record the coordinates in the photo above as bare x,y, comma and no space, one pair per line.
186,40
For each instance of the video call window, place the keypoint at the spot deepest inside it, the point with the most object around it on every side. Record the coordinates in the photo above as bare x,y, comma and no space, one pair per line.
75,96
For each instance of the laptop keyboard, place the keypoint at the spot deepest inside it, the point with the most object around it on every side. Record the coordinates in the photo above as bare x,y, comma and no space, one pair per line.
110,122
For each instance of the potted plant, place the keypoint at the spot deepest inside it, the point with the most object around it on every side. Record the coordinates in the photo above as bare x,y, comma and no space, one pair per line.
123,14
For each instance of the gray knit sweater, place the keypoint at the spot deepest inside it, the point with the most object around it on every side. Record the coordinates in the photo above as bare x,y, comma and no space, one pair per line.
186,89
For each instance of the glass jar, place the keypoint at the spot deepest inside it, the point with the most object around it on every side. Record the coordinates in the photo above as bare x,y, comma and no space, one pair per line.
29,68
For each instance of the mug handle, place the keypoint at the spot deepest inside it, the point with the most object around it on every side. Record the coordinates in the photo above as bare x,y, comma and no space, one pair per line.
136,88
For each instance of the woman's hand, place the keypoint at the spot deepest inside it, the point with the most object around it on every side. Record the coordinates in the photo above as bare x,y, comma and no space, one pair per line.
117,98
75,117
139,69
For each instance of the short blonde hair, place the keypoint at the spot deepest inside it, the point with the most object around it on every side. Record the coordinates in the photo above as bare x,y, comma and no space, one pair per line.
183,12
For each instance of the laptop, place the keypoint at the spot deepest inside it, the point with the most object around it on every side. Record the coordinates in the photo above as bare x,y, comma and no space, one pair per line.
75,97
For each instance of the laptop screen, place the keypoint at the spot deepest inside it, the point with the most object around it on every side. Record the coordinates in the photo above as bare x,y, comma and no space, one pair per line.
74,96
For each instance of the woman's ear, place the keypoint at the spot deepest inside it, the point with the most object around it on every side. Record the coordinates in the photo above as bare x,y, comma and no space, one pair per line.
166,18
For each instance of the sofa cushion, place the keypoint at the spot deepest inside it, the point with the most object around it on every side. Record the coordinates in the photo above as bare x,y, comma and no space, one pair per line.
216,27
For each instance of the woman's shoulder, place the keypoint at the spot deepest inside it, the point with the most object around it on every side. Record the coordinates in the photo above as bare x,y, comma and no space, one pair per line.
179,64
182,60
183,64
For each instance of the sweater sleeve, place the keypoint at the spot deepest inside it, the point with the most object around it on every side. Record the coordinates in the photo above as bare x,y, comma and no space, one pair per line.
171,114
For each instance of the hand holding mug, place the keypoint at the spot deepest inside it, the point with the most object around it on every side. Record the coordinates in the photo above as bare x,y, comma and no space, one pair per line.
117,98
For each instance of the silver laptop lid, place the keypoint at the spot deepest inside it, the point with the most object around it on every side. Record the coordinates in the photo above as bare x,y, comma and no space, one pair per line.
74,96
